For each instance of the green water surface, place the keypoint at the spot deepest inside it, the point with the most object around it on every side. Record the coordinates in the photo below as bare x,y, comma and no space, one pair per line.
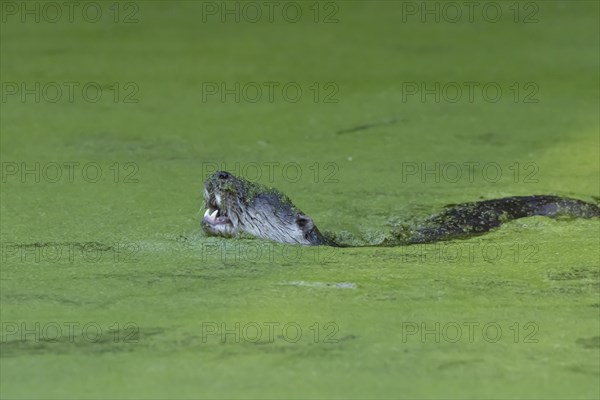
110,290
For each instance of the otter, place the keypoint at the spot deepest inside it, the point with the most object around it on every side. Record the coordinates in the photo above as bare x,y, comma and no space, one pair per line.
235,206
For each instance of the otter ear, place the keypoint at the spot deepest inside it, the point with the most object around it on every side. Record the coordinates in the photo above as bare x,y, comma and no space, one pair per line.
305,223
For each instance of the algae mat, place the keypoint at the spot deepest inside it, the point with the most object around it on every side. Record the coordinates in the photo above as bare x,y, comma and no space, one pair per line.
367,115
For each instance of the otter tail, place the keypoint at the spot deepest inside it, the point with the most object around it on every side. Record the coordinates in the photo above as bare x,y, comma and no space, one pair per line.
470,219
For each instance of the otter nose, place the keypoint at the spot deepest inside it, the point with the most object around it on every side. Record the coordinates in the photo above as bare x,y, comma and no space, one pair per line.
223,175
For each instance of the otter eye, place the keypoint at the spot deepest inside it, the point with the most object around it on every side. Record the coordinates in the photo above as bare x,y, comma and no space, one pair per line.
223,175
304,222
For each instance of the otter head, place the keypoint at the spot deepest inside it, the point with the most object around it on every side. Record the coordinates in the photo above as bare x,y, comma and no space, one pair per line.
235,206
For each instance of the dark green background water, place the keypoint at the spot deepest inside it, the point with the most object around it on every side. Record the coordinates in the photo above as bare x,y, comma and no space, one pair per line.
153,304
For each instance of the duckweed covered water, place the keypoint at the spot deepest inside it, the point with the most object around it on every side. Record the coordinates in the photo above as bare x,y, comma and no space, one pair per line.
110,290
